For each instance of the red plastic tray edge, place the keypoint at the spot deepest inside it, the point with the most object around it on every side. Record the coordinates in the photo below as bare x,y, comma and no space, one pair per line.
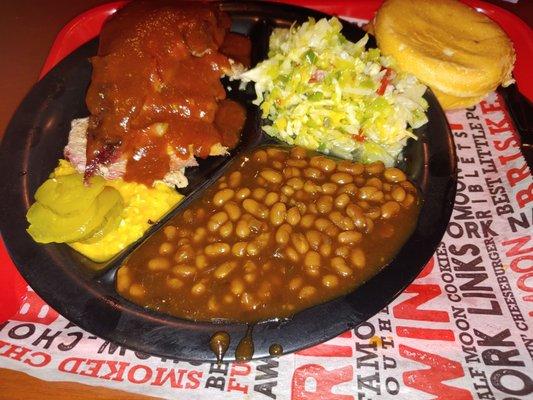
87,25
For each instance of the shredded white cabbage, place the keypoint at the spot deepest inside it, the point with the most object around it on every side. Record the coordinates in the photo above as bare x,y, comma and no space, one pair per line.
320,91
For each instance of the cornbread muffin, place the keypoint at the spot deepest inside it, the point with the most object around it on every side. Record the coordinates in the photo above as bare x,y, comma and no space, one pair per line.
450,102
458,52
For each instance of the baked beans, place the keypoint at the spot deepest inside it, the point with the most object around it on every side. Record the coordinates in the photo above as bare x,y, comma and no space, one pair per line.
281,231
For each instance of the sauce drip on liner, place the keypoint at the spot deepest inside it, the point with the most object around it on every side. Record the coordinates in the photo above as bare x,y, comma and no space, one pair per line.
220,341
219,344
156,87
245,348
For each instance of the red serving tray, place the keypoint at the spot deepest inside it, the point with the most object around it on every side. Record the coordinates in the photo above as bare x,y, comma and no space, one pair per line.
13,288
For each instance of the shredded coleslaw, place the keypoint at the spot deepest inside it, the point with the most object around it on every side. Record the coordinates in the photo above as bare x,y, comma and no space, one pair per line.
325,93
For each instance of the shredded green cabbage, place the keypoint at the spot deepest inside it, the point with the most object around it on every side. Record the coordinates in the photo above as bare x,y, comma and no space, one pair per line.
319,90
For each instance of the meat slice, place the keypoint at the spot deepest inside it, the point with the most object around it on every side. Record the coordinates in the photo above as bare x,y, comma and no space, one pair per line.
75,153
156,90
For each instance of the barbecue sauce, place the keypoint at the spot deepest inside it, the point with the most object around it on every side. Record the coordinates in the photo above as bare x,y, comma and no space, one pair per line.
156,87
245,348
219,344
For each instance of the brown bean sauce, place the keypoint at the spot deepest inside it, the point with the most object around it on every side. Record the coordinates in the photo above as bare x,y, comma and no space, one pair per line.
156,89
280,231
245,348
275,350
219,344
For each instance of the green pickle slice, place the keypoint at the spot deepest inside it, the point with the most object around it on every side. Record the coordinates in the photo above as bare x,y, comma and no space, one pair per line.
68,193
111,221
47,226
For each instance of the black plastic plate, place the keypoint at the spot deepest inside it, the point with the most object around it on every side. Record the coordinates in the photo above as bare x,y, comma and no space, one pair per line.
34,142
